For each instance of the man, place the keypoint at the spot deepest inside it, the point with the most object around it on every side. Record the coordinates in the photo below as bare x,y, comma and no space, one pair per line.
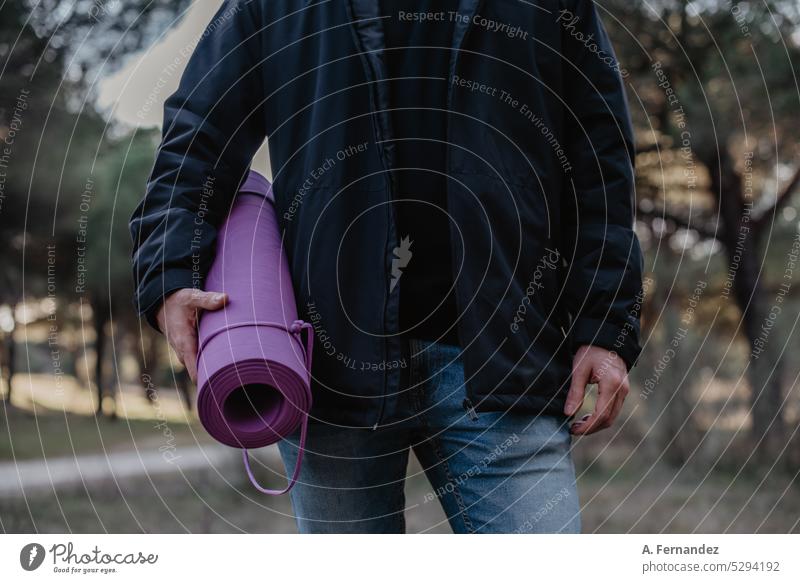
454,183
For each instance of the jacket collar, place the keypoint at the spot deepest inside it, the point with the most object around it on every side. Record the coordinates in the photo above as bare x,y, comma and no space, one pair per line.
367,27
366,23
467,9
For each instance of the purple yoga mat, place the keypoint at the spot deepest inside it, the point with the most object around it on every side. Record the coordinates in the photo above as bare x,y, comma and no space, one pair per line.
253,364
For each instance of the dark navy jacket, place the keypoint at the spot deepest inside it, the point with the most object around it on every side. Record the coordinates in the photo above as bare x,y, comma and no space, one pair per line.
540,190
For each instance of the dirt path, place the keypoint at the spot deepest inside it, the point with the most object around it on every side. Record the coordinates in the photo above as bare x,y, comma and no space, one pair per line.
36,476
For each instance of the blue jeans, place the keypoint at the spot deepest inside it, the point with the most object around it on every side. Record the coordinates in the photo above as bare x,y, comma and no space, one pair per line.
492,473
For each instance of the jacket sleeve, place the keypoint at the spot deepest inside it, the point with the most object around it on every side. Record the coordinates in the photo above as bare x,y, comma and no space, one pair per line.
213,125
603,287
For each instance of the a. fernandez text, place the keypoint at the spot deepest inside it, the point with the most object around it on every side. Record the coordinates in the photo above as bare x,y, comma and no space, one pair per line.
676,550
65,554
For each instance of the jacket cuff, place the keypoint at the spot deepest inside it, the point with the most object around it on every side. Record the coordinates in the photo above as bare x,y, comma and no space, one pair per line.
150,296
622,340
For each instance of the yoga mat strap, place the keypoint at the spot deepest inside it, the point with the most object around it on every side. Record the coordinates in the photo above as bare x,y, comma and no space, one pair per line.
296,328
295,473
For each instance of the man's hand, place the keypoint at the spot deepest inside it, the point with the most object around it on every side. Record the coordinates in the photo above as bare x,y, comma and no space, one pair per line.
178,317
593,364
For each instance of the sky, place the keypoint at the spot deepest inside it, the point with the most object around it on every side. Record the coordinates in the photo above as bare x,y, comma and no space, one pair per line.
135,94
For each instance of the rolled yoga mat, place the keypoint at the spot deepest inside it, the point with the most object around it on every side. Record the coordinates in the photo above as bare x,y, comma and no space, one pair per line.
253,366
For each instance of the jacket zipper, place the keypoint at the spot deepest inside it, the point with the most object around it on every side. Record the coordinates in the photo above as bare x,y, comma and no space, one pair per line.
390,219
374,74
467,403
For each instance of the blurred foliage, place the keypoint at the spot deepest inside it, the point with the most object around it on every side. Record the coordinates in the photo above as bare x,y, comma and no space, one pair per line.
69,177
52,52
122,172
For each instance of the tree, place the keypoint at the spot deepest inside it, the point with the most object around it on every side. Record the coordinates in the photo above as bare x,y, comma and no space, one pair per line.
720,98
51,51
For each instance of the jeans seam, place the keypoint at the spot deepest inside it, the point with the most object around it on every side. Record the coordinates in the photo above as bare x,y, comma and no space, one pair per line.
438,363
430,361
456,492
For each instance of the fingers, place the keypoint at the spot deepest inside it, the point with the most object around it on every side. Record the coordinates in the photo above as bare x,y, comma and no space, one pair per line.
598,418
612,390
581,373
178,320
182,336
201,300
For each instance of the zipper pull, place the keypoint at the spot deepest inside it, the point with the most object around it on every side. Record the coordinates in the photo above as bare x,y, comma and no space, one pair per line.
470,409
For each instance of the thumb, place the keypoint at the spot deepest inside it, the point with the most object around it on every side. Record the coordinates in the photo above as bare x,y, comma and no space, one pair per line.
207,300
577,389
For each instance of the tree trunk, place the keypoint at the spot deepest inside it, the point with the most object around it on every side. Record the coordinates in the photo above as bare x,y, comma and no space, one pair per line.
113,385
100,319
9,351
741,245
10,354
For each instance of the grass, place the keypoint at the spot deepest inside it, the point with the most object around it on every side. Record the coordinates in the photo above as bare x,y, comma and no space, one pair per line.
49,419
46,434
